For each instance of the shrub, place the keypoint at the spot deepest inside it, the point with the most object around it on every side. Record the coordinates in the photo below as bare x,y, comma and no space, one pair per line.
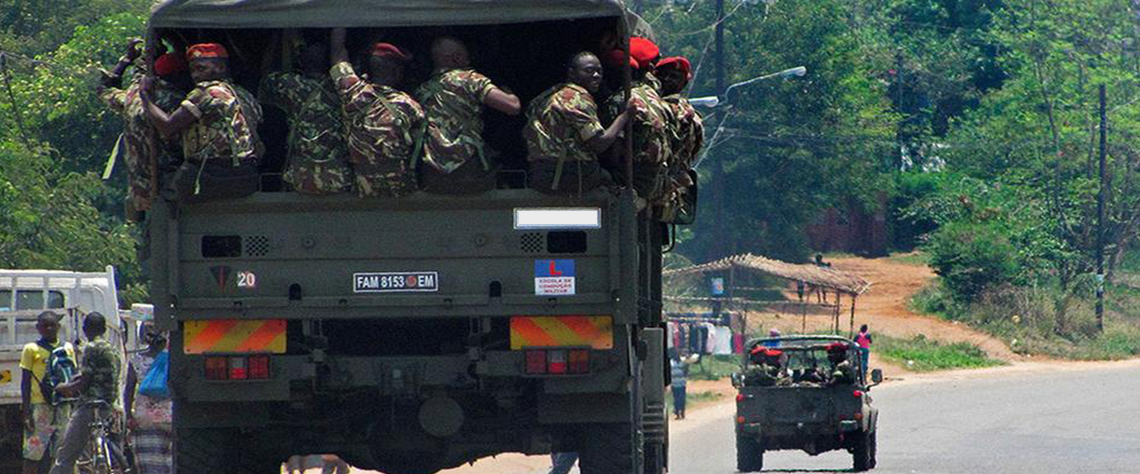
971,258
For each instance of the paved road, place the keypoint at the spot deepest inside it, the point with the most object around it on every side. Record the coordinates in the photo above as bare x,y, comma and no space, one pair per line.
1070,420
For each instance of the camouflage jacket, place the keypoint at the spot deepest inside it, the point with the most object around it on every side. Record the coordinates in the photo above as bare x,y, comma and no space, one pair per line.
651,119
140,139
687,133
454,101
222,130
101,365
317,161
844,373
385,128
560,122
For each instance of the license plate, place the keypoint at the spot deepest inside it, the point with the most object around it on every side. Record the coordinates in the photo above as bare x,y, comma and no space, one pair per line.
395,282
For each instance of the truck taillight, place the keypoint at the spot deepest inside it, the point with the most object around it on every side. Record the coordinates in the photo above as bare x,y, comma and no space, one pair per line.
259,367
238,368
857,393
536,361
557,361
579,361
216,368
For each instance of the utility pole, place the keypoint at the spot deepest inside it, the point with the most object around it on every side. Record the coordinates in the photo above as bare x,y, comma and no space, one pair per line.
1100,216
718,244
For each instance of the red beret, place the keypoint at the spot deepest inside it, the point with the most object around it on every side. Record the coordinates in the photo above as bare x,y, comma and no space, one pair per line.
836,347
206,51
168,64
616,58
390,51
678,62
643,50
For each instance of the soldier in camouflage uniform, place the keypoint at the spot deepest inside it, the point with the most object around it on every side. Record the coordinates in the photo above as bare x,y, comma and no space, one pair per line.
687,132
564,135
386,127
842,371
317,160
139,144
215,122
454,97
650,122
766,368
97,387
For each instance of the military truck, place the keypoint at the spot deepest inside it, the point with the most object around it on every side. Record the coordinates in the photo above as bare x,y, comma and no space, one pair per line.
412,334
24,294
804,408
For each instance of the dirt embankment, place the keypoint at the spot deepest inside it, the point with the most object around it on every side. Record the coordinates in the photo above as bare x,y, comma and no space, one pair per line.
884,307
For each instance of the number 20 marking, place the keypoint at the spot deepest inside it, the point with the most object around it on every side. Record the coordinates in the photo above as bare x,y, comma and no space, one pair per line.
246,280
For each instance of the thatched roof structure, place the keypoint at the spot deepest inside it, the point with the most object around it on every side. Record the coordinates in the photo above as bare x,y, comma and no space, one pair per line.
811,274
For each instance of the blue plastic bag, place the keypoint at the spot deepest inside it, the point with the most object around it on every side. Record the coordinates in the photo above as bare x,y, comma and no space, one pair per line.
154,384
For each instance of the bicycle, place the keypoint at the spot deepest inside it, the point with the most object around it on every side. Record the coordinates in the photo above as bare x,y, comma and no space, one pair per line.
103,455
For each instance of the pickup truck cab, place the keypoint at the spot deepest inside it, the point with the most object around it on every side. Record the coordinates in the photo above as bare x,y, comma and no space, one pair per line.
806,393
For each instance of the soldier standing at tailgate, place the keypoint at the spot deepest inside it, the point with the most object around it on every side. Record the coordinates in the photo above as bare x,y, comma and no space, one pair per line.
386,127
454,97
564,135
650,121
214,122
317,159
687,129
140,144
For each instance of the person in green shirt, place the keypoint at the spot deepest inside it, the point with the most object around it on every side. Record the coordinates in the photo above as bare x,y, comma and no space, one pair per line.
96,385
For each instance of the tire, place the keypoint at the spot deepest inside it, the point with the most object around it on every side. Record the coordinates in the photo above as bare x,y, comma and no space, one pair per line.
217,451
606,448
874,449
862,452
749,454
200,451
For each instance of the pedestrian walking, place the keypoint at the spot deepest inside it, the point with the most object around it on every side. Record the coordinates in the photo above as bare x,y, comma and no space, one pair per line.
148,417
863,339
679,371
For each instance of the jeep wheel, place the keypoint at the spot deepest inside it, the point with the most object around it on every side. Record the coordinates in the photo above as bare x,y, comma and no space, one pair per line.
874,449
749,454
862,451
606,448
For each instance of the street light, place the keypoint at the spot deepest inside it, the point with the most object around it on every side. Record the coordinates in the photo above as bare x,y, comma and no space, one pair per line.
713,101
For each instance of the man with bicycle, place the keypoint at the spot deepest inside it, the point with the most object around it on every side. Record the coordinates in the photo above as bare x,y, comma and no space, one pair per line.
96,387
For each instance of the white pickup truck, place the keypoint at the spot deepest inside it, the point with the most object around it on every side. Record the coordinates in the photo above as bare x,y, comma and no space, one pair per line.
24,294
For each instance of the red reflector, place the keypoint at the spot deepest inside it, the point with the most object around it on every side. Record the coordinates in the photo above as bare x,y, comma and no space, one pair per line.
740,397
536,362
859,416
556,362
579,361
259,367
740,420
216,368
238,368
857,393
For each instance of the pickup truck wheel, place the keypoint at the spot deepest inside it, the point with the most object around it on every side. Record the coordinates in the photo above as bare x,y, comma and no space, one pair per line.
874,450
606,448
862,452
749,454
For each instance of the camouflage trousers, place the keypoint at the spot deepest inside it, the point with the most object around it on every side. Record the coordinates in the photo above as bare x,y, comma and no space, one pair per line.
577,176
468,178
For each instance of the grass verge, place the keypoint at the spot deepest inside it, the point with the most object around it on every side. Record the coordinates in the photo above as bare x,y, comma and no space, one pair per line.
925,355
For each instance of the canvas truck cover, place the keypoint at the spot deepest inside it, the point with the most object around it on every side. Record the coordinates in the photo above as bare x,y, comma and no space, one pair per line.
372,13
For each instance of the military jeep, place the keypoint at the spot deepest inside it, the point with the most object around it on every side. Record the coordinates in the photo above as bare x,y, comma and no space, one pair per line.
807,405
